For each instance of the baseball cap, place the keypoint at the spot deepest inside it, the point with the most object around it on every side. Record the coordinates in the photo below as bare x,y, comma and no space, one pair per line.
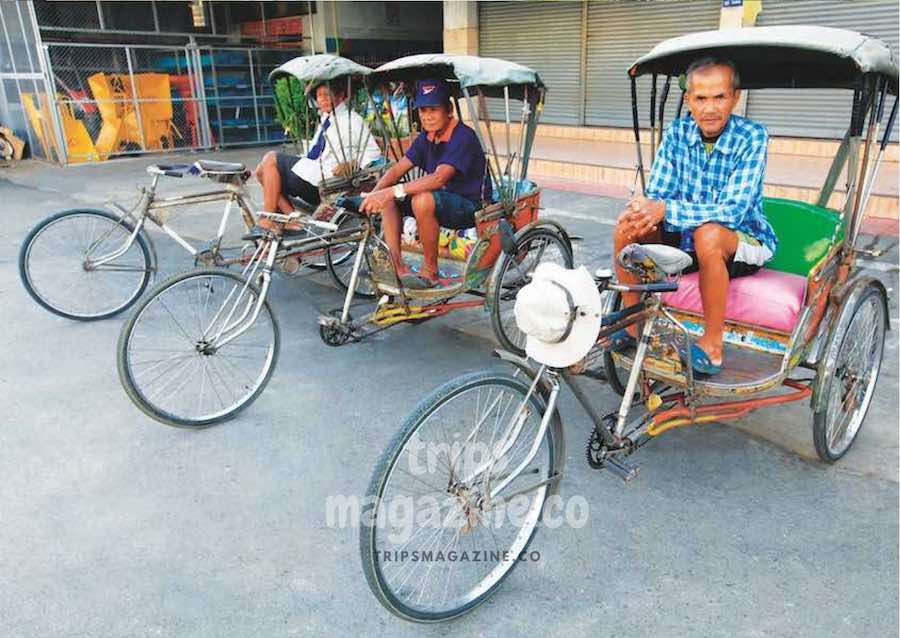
432,93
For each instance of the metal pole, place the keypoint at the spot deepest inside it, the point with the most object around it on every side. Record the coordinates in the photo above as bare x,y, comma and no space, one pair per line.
582,70
134,102
253,91
312,24
636,124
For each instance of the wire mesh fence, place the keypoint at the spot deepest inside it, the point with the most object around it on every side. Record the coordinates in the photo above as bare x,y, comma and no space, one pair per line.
112,99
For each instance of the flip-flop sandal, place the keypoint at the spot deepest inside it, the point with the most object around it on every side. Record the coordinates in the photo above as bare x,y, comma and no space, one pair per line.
418,281
701,362
620,341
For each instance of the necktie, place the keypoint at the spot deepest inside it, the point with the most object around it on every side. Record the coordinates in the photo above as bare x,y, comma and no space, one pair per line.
319,146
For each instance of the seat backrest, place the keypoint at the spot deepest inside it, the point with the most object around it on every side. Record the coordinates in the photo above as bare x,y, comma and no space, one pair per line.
804,231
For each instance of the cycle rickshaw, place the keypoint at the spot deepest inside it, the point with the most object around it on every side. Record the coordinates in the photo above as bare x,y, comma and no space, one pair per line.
89,264
202,344
502,101
219,325
815,332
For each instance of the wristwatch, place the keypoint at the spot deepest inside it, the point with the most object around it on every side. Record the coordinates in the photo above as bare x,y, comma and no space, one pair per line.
399,191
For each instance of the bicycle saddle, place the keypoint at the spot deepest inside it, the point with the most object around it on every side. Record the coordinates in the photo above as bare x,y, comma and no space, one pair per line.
653,260
350,202
302,204
212,166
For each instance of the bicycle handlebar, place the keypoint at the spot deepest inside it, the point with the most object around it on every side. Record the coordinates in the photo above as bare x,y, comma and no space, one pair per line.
169,170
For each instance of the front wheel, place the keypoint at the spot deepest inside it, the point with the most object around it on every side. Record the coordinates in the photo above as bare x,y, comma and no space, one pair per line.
456,478
512,272
171,357
69,264
854,359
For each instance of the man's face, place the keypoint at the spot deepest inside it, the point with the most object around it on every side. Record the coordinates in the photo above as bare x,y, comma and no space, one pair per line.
324,99
434,118
711,98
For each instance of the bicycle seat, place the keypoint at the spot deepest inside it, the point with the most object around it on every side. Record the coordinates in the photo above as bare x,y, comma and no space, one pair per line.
302,204
350,202
213,166
654,260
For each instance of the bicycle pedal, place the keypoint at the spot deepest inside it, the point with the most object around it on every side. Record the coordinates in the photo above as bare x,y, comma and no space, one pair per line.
622,468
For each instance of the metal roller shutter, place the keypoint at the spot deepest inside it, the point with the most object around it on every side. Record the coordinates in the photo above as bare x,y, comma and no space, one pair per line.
545,36
619,33
818,112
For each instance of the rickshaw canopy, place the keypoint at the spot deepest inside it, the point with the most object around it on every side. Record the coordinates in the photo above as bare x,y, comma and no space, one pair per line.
320,67
491,75
799,57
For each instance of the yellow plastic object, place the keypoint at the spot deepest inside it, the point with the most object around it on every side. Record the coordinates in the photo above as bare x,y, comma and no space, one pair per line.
153,130
79,146
653,401
39,117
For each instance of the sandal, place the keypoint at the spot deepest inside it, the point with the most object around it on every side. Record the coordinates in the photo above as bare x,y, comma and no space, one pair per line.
620,341
701,363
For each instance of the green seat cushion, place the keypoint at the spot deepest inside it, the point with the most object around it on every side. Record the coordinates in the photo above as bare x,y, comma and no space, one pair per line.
804,232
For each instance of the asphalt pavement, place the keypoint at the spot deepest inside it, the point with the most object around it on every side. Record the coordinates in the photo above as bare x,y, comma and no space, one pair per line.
115,525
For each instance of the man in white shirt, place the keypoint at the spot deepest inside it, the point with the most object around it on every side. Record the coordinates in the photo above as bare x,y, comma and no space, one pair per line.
341,143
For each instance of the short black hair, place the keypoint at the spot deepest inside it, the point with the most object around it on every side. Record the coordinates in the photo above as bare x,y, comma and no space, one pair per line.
714,60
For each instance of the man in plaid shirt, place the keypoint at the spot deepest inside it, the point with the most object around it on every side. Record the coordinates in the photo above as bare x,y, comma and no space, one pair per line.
705,197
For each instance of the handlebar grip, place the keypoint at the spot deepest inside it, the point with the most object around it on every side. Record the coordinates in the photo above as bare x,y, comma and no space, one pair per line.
173,174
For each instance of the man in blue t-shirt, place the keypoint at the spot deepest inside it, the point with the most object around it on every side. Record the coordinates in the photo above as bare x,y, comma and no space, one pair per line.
453,187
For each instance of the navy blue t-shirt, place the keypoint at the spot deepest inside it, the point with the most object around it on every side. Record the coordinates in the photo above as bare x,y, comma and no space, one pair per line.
463,152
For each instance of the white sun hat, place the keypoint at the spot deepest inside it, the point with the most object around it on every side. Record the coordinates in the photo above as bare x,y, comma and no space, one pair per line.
560,312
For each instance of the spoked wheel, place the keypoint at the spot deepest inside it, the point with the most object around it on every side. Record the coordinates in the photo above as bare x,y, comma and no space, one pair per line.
169,358
456,478
512,272
854,357
57,264
609,363
340,259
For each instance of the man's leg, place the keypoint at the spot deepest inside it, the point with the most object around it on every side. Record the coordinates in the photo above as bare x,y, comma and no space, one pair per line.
620,240
392,226
423,207
714,245
268,175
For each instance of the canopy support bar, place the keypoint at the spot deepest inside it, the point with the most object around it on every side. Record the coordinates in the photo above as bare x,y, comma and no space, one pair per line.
636,124
837,165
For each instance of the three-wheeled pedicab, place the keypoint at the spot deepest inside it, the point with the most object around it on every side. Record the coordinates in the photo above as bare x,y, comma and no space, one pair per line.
473,466
502,102
202,345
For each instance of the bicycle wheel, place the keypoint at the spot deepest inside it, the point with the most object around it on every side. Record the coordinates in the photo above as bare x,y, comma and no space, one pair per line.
167,356
432,491
512,272
340,259
855,352
55,264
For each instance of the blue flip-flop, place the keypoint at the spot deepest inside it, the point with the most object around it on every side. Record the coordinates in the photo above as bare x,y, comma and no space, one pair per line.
701,362
620,341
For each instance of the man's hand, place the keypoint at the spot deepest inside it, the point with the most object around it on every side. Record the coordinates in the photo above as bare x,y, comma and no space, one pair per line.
642,216
375,201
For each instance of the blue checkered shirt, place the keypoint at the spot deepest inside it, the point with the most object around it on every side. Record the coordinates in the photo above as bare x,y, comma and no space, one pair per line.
724,186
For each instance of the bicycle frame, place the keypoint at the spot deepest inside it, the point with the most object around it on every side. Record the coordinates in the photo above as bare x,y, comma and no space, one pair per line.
148,204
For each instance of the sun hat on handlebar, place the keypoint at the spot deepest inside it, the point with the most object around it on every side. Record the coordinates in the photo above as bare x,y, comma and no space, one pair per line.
560,313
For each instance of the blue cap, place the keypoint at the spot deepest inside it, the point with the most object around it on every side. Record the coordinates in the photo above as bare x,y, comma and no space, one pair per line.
432,93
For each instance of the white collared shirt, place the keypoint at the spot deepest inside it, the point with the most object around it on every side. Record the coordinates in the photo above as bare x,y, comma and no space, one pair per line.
345,136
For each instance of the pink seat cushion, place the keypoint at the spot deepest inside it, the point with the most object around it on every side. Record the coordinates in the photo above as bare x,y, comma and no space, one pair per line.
766,298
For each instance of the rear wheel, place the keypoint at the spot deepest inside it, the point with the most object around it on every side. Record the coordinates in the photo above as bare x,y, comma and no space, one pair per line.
854,359
57,264
436,489
340,259
512,272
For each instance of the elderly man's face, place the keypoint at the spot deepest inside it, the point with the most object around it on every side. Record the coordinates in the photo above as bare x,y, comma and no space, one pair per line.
324,99
434,118
711,98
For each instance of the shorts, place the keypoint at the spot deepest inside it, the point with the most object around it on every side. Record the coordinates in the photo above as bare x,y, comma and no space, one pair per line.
452,210
749,257
292,185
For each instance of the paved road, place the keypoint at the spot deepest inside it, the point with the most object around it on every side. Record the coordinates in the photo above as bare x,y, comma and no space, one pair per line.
113,525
